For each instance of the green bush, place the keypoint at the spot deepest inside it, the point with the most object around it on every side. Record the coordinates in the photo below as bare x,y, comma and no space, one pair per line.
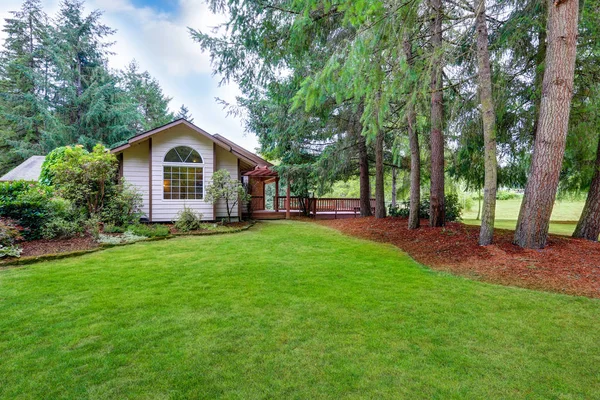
85,178
453,208
54,157
26,203
109,228
188,220
123,205
10,251
506,195
9,234
127,237
150,231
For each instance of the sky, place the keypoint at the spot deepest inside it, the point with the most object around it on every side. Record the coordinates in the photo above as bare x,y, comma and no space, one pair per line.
155,33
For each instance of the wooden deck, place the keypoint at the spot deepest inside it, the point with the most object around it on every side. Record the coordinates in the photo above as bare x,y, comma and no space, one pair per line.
271,214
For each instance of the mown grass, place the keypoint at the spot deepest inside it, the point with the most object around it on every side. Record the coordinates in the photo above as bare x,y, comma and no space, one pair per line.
284,310
565,215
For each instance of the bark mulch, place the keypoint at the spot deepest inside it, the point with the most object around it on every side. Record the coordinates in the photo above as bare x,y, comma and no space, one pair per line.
55,246
566,265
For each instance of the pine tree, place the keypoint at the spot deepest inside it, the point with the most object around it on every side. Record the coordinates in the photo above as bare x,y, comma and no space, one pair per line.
152,103
23,106
550,139
184,113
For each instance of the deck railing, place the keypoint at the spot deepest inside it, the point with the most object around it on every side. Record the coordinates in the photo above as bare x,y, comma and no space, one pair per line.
316,205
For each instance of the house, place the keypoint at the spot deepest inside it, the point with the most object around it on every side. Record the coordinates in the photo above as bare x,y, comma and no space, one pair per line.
172,166
28,170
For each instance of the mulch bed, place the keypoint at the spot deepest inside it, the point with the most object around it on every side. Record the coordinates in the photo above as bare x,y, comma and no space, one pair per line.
55,246
566,265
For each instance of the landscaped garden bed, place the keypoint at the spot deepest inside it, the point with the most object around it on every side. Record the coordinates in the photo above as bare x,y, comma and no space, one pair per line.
566,265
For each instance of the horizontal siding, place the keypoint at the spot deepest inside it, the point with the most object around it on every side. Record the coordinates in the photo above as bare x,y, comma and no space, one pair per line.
135,171
229,162
166,210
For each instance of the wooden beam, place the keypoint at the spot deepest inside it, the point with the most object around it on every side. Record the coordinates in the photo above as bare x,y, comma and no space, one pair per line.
149,179
287,201
214,170
276,199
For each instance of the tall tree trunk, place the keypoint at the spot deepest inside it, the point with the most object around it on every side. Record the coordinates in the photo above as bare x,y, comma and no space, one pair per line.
437,215
550,140
394,185
379,176
415,154
488,115
540,57
365,188
588,226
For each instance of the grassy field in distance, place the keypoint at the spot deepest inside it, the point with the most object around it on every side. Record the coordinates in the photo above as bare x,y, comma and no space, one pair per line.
564,215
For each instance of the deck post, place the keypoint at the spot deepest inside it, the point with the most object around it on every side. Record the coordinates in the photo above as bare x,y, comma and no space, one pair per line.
287,200
276,194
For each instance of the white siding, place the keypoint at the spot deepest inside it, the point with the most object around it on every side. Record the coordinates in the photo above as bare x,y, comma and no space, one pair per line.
135,170
226,160
166,210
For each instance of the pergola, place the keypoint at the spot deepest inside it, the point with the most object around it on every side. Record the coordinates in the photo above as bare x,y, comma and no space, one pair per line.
264,175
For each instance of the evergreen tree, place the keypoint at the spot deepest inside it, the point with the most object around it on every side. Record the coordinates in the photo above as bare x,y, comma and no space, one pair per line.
184,113
24,110
152,103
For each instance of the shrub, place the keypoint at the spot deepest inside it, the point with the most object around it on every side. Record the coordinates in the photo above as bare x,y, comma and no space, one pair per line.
453,208
9,234
506,195
127,237
26,203
108,228
85,178
149,230
123,205
63,220
10,251
91,226
188,220
60,228
54,157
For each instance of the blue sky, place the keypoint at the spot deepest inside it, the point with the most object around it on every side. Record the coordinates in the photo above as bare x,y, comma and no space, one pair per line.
154,32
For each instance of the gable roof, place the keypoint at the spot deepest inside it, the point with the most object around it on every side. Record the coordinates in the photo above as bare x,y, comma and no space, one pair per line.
28,170
219,140
239,149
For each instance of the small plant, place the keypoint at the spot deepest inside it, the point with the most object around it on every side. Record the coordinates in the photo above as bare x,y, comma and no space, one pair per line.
10,251
127,237
92,226
149,230
60,228
188,220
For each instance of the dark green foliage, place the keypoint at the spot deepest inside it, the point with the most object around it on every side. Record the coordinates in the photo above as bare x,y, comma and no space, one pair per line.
56,88
453,208
123,205
28,204
108,228
63,220
149,231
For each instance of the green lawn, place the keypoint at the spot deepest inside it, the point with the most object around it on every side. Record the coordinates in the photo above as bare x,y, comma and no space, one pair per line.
284,310
564,215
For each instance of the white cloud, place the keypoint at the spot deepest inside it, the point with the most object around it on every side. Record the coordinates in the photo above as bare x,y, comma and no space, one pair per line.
160,42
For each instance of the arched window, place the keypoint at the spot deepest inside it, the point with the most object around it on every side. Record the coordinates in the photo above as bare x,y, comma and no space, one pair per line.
183,174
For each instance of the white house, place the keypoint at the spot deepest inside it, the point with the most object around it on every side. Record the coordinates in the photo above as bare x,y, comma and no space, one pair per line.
172,166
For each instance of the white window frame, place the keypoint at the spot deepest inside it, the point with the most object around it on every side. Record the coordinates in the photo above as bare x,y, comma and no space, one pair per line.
184,165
